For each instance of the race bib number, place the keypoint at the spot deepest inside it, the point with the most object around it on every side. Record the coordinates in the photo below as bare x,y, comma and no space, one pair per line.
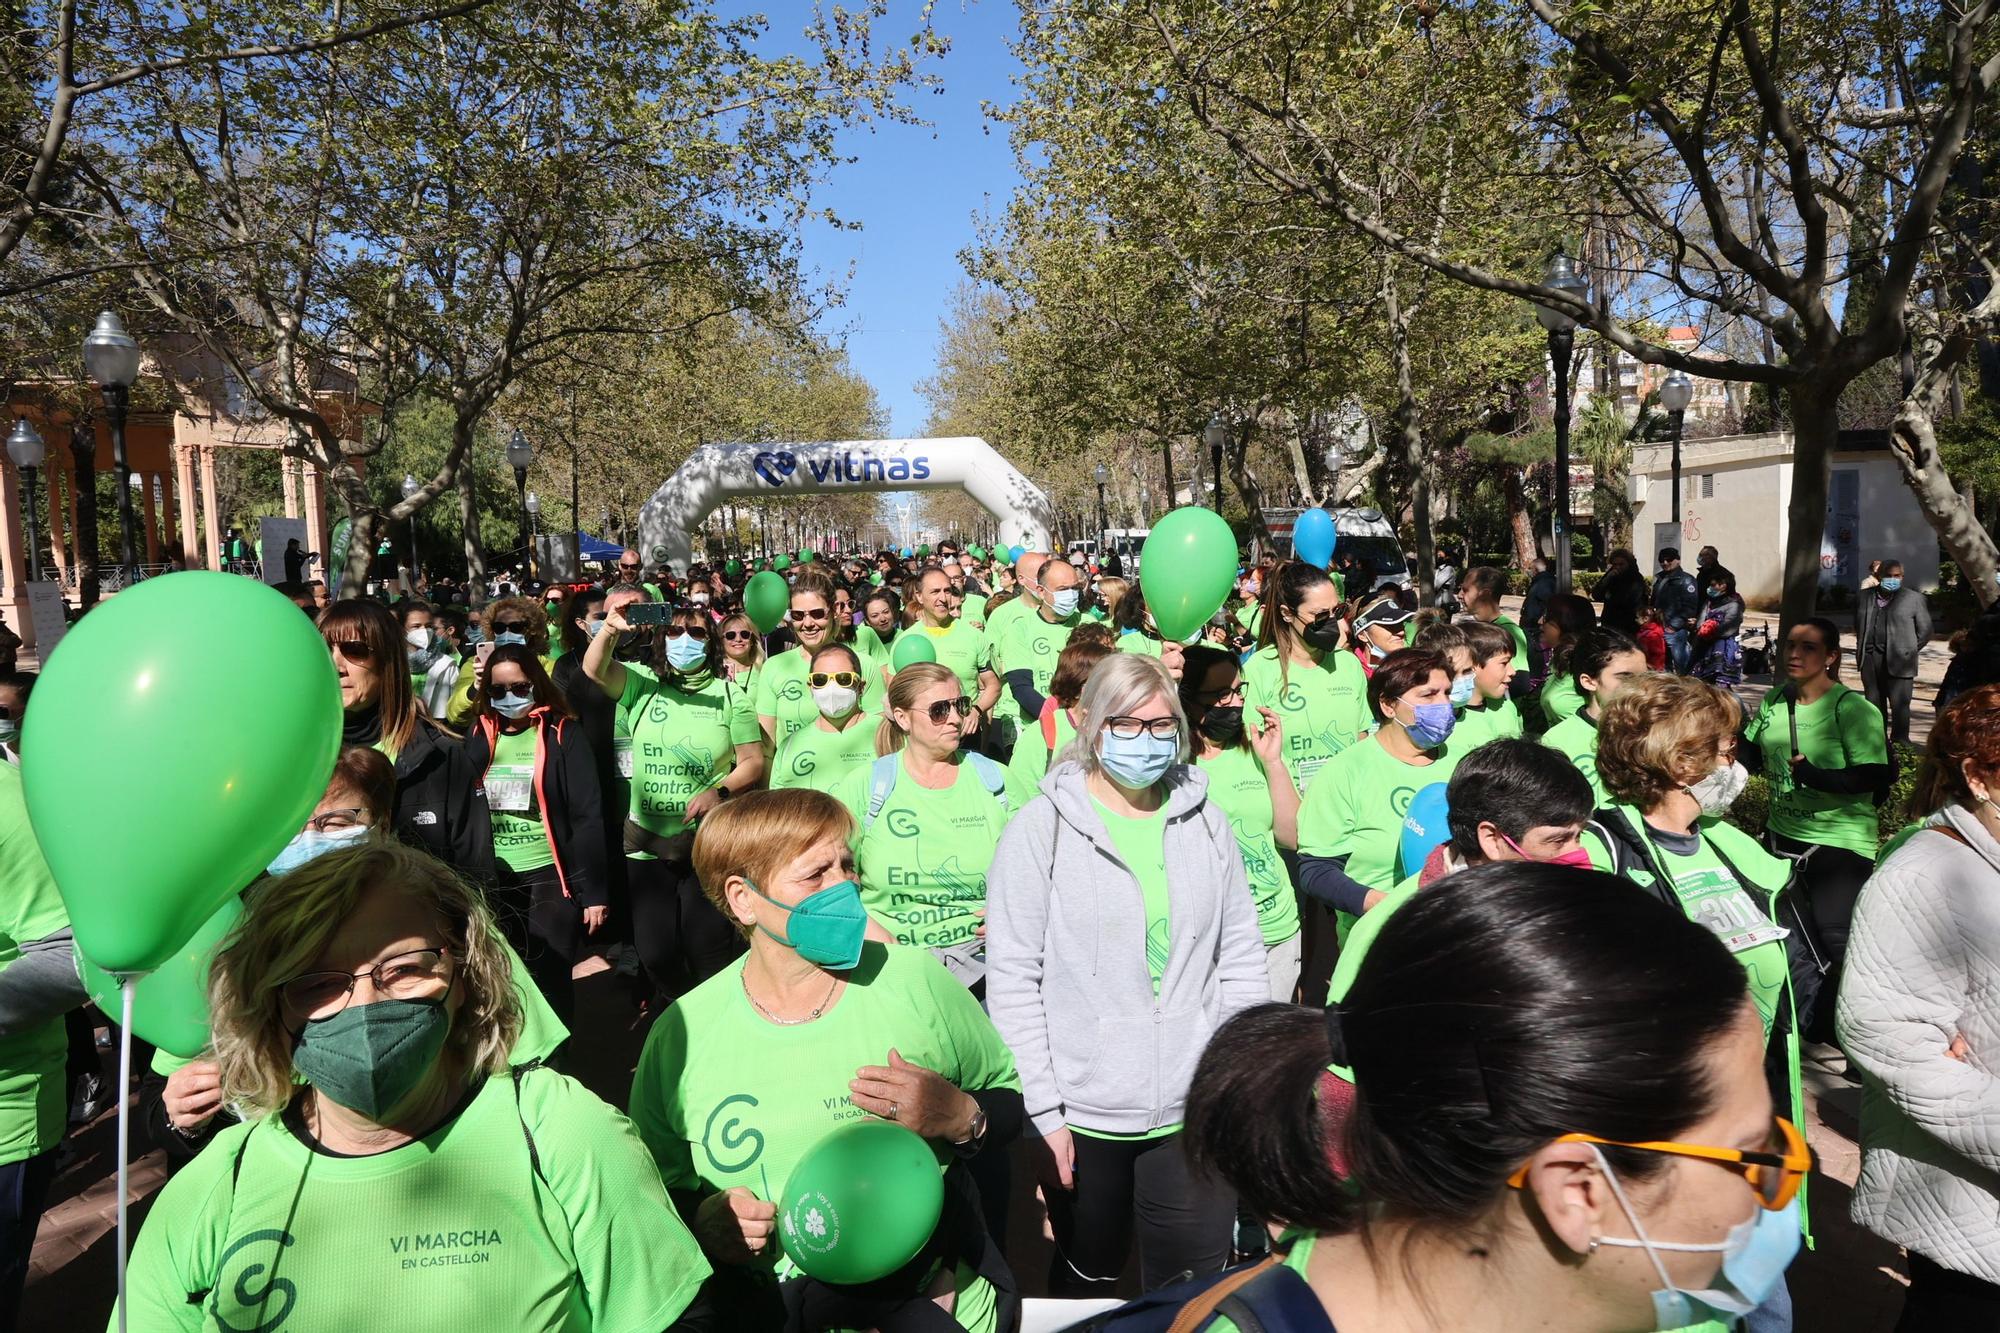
621,749
510,788
1713,899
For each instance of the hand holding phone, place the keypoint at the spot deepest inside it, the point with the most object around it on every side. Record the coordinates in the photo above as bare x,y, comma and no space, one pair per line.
641,614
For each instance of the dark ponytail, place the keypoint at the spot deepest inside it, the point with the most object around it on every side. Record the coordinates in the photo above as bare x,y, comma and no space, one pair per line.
1503,1007
1595,649
1285,589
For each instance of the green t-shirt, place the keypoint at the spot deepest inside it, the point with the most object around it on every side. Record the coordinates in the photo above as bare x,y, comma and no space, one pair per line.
724,1097
817,758
1840,729
1560,699
1029,763
783,695
1250,616
1575,738
1520,638
1132,641
922,862
998,622
459,1227
1355,808
1498,720
1362,934
518,837
34,1096
1324,708
1238,786
963,648
1033,645
684,742
1141,844
973,608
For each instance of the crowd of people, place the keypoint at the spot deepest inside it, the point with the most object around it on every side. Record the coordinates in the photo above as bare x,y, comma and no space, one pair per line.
966,844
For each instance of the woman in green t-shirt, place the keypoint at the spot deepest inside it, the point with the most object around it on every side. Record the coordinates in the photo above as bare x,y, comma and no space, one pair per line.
363,1014
537,787
1567,619
1556,1109
1822,747
1248,779
742,651
1300,673
1600,663
841,738
783,699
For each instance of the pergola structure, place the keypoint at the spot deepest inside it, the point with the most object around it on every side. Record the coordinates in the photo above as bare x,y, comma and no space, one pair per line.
172,455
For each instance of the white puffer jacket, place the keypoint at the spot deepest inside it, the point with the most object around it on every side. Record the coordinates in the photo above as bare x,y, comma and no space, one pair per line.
1923,967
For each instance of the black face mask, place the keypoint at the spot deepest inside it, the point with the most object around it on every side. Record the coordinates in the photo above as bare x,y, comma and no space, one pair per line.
1223,724
1322,635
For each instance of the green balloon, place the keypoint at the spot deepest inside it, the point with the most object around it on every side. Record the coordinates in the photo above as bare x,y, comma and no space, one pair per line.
876,578
781,562
805,555
923,552
211,757
1189,566
912,645
733,568
861,1203
170,1003
976,552
766,598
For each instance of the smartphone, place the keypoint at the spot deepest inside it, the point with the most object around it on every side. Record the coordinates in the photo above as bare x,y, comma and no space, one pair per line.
484,651
649,613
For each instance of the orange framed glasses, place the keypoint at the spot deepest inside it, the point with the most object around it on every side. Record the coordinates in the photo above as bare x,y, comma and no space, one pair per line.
1775,1175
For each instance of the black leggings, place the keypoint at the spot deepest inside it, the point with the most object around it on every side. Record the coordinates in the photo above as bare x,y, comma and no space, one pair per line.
1319,945
1941,1298
1828,885
545,928
682,939
1184,1220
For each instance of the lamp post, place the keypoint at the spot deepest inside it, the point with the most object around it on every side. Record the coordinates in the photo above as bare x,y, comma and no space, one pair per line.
1103,475
111,359
533,504
520,454
25,447
1214,435
1564,276
410,489
1676,392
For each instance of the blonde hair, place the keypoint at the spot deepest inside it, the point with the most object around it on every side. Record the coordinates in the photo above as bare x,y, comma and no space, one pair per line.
287,922
1117,685
904,687
1111,590
759,834
1657,728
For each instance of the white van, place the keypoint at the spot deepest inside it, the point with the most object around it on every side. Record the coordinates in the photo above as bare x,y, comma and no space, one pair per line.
1361,532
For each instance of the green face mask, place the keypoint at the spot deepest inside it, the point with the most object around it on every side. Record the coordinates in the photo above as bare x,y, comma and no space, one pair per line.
369,1057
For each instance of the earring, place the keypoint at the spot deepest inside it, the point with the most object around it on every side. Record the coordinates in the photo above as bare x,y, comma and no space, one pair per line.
1593,1245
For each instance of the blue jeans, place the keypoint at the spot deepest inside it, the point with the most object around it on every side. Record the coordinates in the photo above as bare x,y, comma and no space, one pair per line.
1680,651
24,1189
1773,1316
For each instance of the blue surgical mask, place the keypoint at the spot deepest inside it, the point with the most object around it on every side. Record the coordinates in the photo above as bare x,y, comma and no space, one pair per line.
1755,1255
826,928
1433,723
309,844
1140,761
1462,688
592,628
1064,602
508,636
1892,583
511,707
685,652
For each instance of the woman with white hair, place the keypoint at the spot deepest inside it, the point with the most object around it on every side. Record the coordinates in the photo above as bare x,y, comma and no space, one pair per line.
1120,935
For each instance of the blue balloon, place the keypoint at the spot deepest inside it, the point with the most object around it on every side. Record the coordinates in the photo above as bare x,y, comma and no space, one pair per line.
1313,537
1014,553
1424,827
907,553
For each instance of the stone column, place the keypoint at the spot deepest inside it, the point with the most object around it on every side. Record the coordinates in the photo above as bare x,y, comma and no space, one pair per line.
211,522
190,530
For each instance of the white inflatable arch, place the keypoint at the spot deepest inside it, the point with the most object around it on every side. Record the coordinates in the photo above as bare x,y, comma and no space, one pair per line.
718,472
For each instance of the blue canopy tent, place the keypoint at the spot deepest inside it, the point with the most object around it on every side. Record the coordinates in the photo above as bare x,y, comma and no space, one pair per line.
592,549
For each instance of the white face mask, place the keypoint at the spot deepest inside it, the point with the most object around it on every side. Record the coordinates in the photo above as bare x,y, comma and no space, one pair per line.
419,638
1719,790
835,700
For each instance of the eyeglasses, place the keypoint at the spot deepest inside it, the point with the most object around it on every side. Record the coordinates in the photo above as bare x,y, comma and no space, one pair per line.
422,974
697,632
523,690
1775,1175
944,708
819,680
737,636
511,627
354,650
628,569
334,819
1129,728
820,614
1317,620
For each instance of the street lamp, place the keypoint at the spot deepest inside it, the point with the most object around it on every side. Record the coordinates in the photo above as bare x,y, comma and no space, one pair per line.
533,504
1564,276
410,489
1214,434
1103,475
520,454
111,359
1676,392
25,447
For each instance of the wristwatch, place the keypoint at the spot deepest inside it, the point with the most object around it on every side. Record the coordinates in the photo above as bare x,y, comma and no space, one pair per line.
978,1127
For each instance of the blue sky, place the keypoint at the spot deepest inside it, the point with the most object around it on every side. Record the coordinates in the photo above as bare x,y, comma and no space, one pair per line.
916,190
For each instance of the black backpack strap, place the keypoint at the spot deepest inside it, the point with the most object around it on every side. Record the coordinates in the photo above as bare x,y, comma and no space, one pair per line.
1277,1300
1630,850
534,1156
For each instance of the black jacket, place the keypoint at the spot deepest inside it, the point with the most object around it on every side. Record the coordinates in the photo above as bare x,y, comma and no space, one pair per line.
597,713
1624,595
566,795
434,803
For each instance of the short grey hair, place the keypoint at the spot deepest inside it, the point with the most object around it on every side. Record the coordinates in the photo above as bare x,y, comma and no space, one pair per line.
1117,685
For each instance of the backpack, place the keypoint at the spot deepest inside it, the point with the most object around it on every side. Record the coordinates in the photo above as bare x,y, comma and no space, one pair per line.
882,781
1264,1297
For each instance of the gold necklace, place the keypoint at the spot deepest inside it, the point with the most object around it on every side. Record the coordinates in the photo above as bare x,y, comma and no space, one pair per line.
788,1022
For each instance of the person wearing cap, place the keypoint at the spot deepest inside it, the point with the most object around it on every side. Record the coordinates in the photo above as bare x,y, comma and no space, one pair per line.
1677,598
1379,630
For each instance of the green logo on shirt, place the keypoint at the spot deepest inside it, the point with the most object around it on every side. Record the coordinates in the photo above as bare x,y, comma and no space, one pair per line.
249,1297
792,691
902,823
732,1136
1399,800
804,763
1293,700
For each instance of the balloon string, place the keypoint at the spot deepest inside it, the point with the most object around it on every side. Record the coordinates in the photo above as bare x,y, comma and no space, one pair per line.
125,985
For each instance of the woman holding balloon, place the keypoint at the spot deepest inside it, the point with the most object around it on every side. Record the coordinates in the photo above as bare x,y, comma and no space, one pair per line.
743,1076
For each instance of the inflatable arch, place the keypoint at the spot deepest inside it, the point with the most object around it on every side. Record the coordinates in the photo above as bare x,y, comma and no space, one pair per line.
719,472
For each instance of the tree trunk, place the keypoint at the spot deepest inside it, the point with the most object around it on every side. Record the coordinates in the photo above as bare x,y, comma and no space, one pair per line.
360,541
468,519
1952,514
1815,434
1408,437
83,448
1237,455
1295,448
1518,521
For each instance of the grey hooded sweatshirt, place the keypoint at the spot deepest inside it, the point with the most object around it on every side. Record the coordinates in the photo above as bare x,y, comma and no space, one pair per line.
1067,982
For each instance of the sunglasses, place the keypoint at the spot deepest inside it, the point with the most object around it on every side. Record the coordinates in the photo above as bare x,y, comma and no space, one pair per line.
1775,1175
699,633
944,708
354,650
737,636
819,680
628,569
521,691
811,615
511,627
